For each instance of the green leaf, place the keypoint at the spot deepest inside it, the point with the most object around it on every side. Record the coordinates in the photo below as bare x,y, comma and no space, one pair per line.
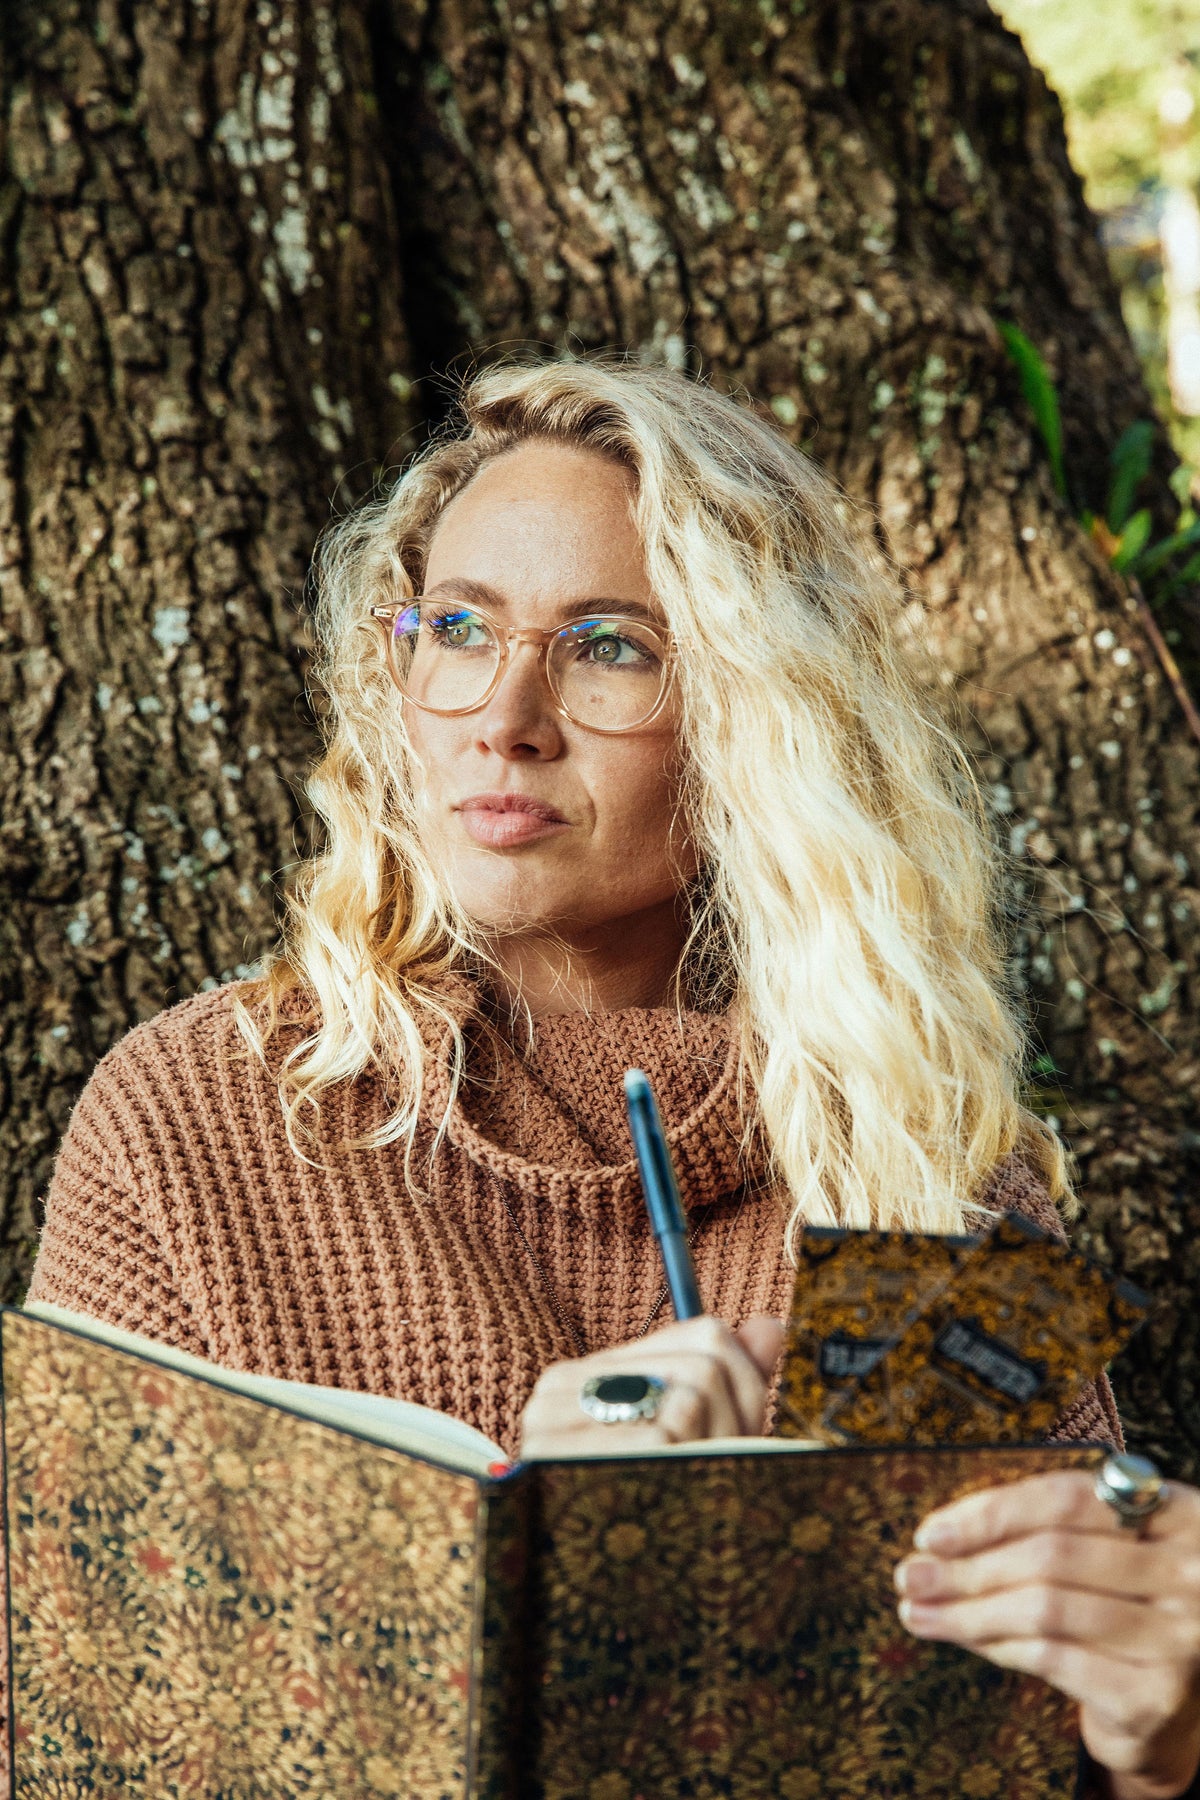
1133,538
1182,578
1180,483
1041,395
1152,560
1130,462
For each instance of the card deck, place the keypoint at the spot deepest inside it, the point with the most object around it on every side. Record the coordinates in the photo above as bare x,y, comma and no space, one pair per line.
899,1338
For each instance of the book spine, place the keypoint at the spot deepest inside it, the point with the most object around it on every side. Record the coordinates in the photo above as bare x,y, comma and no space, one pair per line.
499,1691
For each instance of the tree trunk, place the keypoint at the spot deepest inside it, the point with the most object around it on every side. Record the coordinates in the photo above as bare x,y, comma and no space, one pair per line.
203,307
241,245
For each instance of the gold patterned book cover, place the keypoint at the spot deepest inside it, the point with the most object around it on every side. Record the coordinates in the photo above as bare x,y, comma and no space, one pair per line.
214,1594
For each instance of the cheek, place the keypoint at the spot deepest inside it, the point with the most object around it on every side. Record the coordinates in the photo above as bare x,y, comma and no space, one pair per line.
637,802
430,750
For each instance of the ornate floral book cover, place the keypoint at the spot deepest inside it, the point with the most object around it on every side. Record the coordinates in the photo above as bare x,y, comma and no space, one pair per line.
212,1596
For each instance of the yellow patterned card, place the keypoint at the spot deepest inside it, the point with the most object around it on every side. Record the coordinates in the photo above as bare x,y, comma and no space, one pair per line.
896,1338
1000,1353
855,1294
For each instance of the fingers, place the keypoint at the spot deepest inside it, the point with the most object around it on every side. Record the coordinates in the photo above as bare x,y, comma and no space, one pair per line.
747,1358
1078,1559
1127,1631
762,1338
1134,1719
689,1412
1129,1699
715,1388
1065,1498
724,1371
694,1406
1039,1576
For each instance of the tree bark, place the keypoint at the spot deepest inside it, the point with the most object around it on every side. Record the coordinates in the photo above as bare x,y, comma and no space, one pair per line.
242,246
202,310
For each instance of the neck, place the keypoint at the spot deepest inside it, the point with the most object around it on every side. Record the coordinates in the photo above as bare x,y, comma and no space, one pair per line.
624,962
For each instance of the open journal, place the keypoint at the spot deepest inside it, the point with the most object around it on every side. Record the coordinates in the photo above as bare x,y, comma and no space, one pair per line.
225,1585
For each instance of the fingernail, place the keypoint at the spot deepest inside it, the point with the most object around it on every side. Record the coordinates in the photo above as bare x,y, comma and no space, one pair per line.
934,1534
918,1577
916,1618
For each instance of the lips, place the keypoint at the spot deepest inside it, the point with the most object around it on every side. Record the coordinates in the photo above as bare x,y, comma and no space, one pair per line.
504,821
512,803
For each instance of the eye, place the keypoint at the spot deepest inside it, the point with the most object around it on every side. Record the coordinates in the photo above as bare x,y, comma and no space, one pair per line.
457,630
605,644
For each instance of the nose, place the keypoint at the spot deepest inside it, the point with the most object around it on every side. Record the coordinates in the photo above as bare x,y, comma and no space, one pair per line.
520,722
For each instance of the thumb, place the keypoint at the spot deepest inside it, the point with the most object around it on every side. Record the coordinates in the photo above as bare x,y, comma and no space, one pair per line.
762,1338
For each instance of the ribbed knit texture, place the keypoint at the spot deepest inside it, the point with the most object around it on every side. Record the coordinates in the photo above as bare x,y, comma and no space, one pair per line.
178,1209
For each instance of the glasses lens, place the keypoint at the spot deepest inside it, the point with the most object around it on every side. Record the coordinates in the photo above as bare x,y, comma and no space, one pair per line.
609,673
444,656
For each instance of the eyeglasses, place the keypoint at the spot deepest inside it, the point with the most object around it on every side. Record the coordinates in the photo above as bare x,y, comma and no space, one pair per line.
605,672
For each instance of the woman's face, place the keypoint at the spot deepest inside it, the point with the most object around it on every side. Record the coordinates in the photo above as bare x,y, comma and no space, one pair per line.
545,533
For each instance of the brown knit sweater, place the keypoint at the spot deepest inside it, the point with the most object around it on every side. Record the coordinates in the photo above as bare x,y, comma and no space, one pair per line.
177,1208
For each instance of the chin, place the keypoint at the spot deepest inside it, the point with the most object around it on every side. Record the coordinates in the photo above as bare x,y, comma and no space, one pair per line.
514,905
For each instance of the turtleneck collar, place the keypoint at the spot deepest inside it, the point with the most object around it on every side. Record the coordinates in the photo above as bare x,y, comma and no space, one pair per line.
549,1117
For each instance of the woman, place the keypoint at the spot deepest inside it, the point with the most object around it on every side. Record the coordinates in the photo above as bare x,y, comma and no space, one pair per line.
623,767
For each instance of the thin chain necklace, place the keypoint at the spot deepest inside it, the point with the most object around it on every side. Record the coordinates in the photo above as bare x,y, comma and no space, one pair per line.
566,1322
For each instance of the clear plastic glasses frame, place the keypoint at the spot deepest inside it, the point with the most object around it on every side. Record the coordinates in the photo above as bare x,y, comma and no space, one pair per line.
508,635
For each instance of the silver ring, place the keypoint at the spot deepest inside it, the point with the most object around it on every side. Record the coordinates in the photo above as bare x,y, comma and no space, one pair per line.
1132,1486
622,1399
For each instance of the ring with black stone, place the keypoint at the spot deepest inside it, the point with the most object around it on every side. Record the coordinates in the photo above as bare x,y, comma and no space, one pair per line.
622,1399
1132,1486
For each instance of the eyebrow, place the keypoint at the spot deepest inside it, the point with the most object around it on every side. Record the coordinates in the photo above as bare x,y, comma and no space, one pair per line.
485,595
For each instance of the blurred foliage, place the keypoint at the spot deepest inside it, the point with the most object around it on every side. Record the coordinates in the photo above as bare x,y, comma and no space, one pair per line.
1106,61
1109,62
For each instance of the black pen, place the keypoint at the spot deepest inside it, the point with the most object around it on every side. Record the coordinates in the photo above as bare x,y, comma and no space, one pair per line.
661,1192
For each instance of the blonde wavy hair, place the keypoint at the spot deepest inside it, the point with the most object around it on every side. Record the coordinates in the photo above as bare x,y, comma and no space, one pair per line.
851,905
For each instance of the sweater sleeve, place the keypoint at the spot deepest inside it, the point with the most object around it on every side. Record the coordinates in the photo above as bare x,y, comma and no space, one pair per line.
1092,1416
101,1252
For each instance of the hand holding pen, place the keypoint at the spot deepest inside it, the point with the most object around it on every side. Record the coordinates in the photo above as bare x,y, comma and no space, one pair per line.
689,1380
